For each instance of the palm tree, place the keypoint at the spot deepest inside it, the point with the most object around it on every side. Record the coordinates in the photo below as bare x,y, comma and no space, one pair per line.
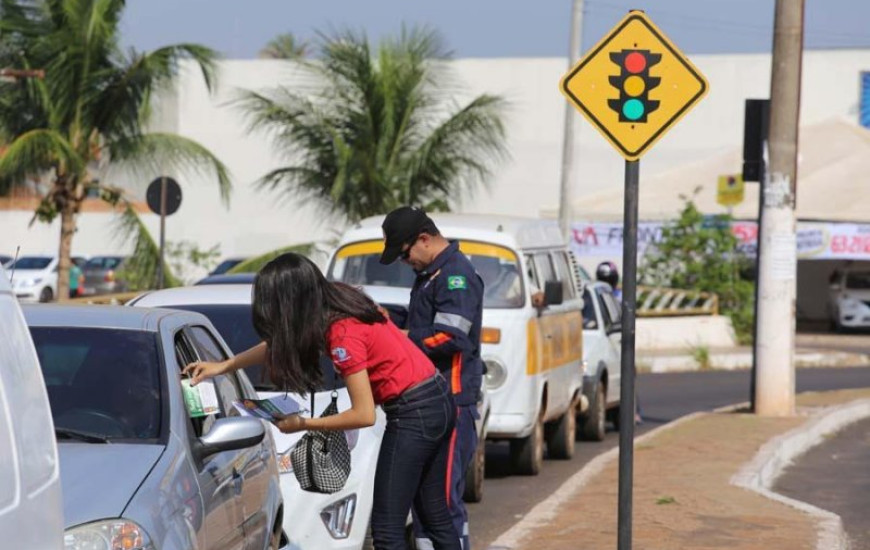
369,133
88,117
284,46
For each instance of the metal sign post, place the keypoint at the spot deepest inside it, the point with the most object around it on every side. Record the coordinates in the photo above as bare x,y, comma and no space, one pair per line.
633,86
164,198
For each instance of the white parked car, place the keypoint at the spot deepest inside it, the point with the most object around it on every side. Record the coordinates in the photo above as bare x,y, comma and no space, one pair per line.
31,508
312,521
602,353
849,299
34,278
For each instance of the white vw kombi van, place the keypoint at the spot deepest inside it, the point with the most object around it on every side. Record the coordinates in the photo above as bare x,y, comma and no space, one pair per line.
533,355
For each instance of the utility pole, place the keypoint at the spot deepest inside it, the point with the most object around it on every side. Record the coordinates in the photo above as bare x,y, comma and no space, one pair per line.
565,194
777,281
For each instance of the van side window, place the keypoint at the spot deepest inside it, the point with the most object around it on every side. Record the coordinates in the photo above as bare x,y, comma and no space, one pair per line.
564,274
532,272
544,267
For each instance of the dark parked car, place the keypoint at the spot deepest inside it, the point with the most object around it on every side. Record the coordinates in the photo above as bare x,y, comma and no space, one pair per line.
101,275
226,265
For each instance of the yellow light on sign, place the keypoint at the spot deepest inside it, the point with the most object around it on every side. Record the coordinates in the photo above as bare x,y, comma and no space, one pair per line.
634,85
730,190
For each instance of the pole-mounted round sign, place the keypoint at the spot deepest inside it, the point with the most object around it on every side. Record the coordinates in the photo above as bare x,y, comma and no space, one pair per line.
173,195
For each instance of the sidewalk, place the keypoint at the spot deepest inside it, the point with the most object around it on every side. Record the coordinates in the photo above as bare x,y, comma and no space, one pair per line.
683,492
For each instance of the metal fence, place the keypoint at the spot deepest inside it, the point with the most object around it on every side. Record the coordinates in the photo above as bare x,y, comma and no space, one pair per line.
668,302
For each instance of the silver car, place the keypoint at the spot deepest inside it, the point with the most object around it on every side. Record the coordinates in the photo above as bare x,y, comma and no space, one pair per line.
137,471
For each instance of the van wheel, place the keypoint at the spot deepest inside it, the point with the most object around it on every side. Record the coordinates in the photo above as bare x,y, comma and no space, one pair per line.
560,435
46,295
527,454
474,475
593,421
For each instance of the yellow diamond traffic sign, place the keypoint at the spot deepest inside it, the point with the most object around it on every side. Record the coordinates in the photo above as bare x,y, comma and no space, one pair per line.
634,85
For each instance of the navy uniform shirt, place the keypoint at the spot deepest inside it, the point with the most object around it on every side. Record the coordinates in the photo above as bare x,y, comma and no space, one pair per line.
444,319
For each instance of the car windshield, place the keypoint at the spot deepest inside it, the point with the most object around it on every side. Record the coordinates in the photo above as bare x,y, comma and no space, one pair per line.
103,262
590,321
358,264
101,381
235,325
31,262
858,280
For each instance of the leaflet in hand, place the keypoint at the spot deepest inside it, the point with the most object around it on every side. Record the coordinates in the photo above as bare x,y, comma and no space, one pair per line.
271,409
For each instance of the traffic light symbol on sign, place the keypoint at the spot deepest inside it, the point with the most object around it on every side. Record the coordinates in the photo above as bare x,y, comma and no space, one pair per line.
634,84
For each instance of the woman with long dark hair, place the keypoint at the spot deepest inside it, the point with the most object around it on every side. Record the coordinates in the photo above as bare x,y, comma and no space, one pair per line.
300,316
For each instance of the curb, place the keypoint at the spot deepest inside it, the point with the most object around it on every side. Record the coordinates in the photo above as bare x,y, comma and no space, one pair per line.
548,508
760,473
740,360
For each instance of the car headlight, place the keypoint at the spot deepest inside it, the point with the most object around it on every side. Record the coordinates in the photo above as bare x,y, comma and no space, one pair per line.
338,517
496,373
27,283
285,463
850,303
110,534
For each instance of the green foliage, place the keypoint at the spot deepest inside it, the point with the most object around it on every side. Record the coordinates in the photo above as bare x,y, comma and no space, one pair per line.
701,355
140,270
371,131
699,252
285,46
89,113
185,256
254,265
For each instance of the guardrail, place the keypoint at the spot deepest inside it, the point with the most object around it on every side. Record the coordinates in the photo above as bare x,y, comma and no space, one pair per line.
671,302
117,299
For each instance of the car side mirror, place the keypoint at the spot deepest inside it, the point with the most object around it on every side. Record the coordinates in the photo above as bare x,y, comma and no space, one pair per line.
230,434
553,293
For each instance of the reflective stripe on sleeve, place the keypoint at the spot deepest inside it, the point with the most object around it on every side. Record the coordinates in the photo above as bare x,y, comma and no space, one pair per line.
453,320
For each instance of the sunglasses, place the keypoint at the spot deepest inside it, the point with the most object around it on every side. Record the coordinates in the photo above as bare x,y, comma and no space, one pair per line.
406,253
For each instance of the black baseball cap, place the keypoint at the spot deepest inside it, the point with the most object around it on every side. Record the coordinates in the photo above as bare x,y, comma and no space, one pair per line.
401,226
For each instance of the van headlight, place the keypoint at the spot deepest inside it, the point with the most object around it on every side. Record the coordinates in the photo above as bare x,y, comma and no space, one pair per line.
496,373
338,517
110,534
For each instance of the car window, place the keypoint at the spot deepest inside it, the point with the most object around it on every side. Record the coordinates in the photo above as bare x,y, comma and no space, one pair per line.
563,274
590,320
185,355
610,311
858,280
101,380
233,322
30,262
103,262
226,385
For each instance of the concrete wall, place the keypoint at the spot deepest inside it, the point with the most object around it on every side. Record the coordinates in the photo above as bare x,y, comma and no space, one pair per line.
524,185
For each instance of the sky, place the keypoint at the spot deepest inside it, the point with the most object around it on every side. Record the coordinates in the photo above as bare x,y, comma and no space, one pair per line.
485,28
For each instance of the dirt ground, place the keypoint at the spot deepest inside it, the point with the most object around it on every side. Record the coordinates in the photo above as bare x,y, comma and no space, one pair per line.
682,495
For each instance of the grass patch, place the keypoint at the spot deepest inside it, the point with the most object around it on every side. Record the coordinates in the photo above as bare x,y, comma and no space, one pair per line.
666,500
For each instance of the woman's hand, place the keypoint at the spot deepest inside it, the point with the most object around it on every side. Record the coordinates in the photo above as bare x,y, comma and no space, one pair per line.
291,424
200,370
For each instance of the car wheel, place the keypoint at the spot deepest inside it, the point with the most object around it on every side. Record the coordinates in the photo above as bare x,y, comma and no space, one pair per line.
527,453
46,295
593,421
474,475
560,435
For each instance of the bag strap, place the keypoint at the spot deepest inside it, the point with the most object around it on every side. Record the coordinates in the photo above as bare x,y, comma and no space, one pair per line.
311,393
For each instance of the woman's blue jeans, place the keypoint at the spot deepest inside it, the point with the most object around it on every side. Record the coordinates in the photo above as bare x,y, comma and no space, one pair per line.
412,467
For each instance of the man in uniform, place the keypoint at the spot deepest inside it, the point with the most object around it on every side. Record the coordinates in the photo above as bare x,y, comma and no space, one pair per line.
444,319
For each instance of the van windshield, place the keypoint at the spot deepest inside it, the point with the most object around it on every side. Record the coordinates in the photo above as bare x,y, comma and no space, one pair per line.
858,280
358,264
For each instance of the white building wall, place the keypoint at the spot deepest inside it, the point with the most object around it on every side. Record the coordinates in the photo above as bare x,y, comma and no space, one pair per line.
524,185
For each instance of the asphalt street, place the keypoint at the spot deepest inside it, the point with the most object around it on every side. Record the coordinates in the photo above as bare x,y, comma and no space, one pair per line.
663,398
834,476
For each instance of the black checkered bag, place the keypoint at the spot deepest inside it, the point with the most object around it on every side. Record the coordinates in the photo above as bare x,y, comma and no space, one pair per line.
321,459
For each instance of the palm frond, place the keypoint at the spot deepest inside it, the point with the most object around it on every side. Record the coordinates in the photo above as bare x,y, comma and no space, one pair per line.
37,151
141,268
253,265
157,153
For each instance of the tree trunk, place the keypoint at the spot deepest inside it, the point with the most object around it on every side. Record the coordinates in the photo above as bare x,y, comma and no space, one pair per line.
67,230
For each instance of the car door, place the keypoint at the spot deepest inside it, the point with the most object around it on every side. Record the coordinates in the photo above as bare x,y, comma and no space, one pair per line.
250,465
219,484
611,313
